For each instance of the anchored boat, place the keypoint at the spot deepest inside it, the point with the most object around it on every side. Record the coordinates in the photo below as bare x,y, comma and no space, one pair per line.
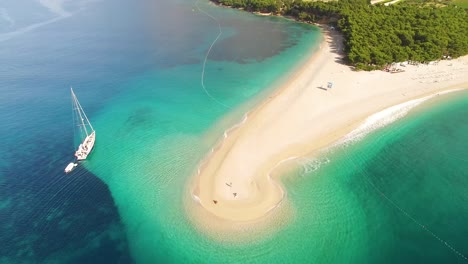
71,166
86,131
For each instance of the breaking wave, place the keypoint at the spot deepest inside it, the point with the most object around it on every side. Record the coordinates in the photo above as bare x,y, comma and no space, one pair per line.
384,118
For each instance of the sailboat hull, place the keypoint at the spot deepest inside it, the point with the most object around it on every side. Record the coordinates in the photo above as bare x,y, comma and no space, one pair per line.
86,147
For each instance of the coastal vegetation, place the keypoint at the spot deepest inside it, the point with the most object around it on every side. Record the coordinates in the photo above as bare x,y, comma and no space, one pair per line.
461,3
378,35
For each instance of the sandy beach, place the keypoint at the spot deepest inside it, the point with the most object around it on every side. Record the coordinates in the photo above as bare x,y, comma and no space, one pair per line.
234,183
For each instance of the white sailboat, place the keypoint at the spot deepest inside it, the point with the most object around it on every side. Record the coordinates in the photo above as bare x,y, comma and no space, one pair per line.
87,133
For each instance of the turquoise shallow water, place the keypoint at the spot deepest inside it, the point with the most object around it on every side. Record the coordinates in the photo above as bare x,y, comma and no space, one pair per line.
398,195
395,196
153,134
136,68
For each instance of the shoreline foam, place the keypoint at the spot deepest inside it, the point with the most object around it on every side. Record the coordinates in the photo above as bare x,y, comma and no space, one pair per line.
300,119
387,116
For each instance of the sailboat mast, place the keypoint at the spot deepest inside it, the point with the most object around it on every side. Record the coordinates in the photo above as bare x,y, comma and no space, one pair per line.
81,113
84,114
75,100
73,114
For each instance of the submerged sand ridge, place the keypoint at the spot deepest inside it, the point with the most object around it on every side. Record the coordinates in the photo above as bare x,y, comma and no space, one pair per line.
235,181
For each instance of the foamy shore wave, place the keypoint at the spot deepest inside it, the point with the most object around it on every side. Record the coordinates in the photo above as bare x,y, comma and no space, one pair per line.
235,182
386,117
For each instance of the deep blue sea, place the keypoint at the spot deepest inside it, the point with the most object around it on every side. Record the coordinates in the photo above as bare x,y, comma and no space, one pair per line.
159,103
145,57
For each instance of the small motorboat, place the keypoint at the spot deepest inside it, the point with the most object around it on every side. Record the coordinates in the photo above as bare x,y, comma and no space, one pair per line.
71,166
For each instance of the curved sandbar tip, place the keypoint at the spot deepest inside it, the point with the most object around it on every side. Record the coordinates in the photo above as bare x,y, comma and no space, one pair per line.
234,182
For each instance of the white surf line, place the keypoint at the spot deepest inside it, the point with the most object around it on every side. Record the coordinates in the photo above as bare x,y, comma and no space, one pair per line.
220,143
312,164
276,166
386,117
283,193
220,32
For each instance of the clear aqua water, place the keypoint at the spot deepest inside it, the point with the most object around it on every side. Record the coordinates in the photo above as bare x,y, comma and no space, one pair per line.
397,196
136,69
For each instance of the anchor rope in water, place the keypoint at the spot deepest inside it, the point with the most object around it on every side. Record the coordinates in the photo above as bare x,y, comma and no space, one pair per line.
220,32
382,194
449,246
